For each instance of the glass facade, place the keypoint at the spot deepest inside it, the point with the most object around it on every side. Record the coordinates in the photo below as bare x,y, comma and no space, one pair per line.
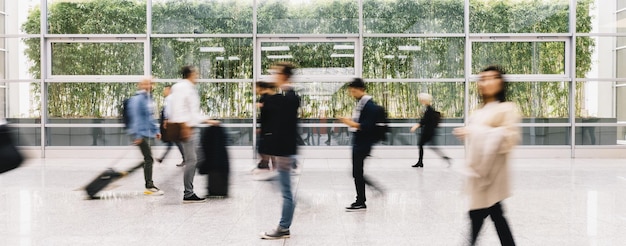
64,74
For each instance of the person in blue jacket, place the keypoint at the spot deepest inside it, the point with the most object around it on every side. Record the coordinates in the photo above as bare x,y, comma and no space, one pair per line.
143,128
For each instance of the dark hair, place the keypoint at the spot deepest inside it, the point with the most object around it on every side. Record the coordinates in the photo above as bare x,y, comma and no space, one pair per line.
357,83
265,85
186,71
286,68
501,95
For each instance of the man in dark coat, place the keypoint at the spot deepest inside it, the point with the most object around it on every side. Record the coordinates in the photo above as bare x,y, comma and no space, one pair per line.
363,126
281,119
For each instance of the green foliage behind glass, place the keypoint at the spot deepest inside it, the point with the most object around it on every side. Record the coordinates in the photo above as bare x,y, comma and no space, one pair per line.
437,57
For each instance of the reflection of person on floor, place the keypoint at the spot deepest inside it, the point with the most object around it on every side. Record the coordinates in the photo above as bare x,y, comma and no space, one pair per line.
429,124
491,133
265,91
163,127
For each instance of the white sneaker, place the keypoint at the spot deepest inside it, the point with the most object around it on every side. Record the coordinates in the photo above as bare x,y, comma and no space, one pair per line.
154,191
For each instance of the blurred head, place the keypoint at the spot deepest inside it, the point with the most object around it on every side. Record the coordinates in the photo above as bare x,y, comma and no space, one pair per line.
145,84
491,85
263,87
425,98
189,73
282,72
167,90
356,88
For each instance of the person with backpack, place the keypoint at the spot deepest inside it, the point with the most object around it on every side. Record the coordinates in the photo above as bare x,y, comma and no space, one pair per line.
366,133
429,124
142,129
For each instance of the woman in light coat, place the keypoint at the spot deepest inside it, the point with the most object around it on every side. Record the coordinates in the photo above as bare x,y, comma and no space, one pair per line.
491,134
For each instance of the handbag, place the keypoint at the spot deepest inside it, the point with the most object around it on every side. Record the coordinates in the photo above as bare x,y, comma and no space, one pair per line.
178,132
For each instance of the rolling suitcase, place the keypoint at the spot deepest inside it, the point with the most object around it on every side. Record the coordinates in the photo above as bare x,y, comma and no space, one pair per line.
216,163
10,156
106,178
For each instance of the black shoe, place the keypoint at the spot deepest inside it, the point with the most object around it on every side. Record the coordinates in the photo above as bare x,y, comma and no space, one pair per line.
448,160
182,164
263,165
354,207
419,164
193,199
159,160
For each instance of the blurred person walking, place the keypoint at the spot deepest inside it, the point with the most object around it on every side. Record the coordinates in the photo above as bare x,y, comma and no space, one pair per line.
491,133
142,129
429,124
281,115
183,117
364,129
163,128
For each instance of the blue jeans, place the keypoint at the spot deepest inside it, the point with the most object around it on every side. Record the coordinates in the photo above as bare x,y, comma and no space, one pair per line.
284,177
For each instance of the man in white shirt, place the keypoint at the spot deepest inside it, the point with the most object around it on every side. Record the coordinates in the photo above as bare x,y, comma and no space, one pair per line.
185,108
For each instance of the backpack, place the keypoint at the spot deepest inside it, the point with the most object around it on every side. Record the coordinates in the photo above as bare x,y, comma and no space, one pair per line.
382,124
437,118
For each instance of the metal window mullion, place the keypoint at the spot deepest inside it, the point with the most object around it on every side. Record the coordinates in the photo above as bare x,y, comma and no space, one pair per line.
256,52
187,35
450,80
414,35
572,74
148,43
45,64
602,34
358,48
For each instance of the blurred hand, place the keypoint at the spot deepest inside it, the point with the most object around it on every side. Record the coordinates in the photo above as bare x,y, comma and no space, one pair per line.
414,128
460,132
158,136
138,141
259,105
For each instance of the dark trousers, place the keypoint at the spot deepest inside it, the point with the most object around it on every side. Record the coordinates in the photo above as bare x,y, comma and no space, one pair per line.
358,160
497,215
144,146
429,138
169,146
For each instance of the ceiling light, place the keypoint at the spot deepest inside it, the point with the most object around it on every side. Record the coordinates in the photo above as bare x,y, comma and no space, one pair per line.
279,57
343,47
275,48
334,55
212,49
409,47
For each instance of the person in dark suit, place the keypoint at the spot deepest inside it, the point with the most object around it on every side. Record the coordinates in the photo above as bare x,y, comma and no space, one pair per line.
429,123
363,126
280,116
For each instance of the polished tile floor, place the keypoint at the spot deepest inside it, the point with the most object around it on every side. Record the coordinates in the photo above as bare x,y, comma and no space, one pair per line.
555,202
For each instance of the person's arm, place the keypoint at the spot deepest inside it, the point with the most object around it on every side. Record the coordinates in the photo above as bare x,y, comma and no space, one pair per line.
510,130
